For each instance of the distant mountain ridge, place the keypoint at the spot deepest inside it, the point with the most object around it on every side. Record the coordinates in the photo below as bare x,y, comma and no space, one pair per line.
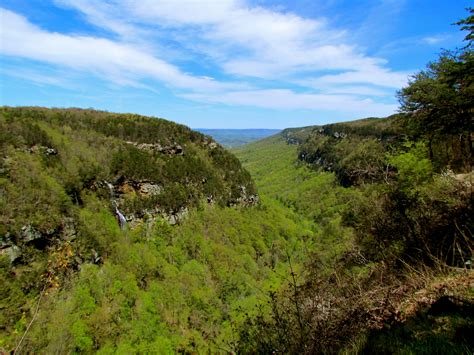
236,137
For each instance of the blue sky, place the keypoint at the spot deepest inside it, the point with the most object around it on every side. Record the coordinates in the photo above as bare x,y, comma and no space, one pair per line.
222,63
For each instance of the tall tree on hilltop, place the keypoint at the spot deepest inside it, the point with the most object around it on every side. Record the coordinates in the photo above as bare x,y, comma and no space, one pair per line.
467,24
440,99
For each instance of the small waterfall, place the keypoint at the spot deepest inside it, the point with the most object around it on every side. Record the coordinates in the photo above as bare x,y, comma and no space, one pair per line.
111,191
120,217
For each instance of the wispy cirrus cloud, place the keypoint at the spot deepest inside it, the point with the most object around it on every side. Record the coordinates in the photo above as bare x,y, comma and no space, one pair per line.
289,100
118,62
371,75
243,39
104,15
436,39
256,52
38,78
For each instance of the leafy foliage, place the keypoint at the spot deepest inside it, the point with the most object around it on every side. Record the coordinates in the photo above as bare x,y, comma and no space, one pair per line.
185,288
354,151
439,101
410,219
353,252
54,166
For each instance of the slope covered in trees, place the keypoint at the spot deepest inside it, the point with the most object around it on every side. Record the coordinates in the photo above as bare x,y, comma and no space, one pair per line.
315,265
154,167
383,241
74,281
360,239
64,174
402,281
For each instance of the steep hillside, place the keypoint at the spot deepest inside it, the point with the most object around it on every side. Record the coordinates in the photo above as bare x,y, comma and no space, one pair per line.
395,241
146,165
126,234
364,142
381,128
195,257
66,174
279,175
354,151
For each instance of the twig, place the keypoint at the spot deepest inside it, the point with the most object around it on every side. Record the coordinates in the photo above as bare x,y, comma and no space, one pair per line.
18,347
297,306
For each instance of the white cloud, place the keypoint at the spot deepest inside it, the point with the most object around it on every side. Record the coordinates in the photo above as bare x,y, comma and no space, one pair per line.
289,100
178,13
254,41
437,39
39,78
358,90
372,75
243,40
103,14
237,41
118,62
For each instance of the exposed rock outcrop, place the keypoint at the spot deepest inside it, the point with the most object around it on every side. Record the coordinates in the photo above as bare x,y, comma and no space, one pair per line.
245,198
40,149
172,149
149,189
13,253
29,234
176,217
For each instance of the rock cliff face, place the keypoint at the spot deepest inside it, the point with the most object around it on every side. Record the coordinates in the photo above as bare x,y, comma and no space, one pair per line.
53,163
173,149
353,150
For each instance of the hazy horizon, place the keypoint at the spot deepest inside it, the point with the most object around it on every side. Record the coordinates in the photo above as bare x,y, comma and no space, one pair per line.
236,129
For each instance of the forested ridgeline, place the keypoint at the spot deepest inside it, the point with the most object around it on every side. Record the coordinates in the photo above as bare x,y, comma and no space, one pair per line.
66,176
152,164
